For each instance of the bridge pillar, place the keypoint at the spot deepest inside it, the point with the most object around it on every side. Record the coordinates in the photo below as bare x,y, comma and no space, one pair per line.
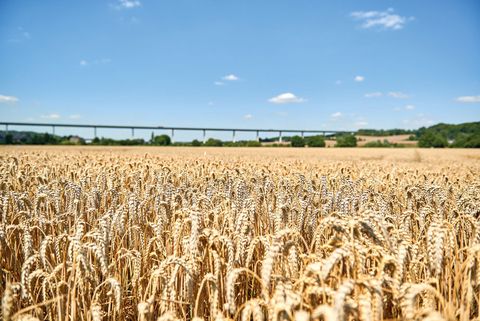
53,130
204,136
6,129
279,136
133,132
303,135
173,136
233,136
94,132
258,136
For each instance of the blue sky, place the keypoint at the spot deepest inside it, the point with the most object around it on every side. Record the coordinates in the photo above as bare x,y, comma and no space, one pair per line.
247,64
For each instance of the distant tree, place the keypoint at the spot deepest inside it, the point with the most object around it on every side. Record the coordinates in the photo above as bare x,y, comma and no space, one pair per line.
213,142
196,142
297,141
431,139
315,141
379,143
467,141
162,140
9,139
346,141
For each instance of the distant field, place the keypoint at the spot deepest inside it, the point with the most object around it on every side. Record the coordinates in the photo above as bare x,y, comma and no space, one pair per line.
198,233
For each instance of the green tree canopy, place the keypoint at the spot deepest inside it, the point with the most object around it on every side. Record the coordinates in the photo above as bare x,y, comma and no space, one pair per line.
431,139
315,141
162,140
297,141
213,142
346,141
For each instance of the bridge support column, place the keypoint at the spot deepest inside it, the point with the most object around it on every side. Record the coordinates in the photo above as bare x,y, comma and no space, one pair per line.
303,135
6,130
53,130
233,137
323,134
279,136
133,132
173,136
258,136
204,136
94,132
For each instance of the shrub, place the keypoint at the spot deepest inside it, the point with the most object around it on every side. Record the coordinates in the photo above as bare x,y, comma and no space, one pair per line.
297,141
315,141
162,140
214,142
379,143
346,141
196,143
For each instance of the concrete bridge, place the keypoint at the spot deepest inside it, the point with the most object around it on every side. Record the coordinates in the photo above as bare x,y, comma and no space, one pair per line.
204,130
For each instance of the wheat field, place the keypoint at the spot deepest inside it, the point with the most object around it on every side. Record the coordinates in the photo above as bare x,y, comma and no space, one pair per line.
239,234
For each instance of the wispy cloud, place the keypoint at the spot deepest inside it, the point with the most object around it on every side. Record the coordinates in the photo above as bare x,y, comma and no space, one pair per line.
410,107
468,99
51,116
230,77
101,61
286,98
360,123
218,83
128,4
8,99
359,78
398,95
336,115
338,82
248,116
388,19
19,35
75,116
374,94
419,120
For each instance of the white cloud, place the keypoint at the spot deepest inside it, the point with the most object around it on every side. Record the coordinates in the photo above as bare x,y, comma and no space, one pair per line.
248,116
468,99
218,83
51,116
359,78
374,94
75,116
381,19
230,77
286,98
8,99
336,115
128,4
398,95
410,107
83,62
338,82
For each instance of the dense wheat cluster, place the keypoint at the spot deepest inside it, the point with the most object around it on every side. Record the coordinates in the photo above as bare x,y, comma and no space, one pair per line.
115,235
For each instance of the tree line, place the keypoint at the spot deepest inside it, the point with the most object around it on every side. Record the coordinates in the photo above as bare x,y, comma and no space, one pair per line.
466,135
